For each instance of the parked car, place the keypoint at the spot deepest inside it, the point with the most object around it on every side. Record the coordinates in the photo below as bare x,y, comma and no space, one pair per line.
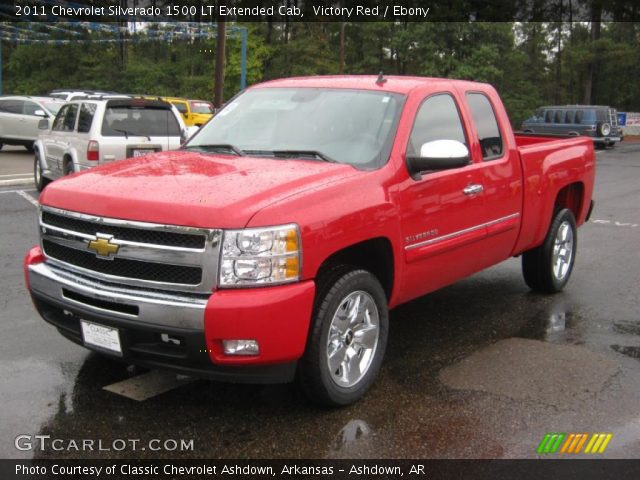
195,113
19,118
598,122
86,133
273,244
68,95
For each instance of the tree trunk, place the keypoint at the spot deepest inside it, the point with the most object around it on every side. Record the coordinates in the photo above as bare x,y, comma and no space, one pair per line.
589,84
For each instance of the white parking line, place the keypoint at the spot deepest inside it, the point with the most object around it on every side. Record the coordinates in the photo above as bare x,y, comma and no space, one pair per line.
28,198
16,181
16,191
18,175
615,223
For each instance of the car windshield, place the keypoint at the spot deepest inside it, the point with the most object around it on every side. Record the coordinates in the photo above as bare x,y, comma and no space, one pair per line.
355,127
53,107
123,121
201,107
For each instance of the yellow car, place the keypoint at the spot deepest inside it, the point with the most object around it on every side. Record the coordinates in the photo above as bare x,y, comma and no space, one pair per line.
194,112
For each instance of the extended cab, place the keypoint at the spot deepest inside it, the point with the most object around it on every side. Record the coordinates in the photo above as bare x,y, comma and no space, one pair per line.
273,244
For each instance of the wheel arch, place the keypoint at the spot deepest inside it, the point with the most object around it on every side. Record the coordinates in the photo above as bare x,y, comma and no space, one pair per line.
572,197
374,255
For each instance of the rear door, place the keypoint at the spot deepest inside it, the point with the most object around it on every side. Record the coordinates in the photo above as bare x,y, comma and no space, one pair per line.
501,177
80,141
12,118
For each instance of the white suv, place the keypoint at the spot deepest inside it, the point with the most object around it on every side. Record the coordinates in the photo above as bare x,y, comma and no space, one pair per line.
19,118
87,133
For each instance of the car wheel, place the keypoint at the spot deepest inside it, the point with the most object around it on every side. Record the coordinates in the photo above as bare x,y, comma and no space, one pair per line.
548,267
38,178
348,337
1,145
67,167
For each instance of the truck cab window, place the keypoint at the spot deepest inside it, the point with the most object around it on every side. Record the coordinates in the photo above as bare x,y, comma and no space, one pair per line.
487,126
437,119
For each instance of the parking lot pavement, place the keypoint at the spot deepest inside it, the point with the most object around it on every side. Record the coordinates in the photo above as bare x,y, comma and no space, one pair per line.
16,166
481,369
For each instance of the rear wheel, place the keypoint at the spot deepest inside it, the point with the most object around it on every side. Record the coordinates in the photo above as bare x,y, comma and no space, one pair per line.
67,168
348,338
548,267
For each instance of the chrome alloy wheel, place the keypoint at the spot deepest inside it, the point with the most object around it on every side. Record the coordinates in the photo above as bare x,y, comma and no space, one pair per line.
562,251
353,338
38,171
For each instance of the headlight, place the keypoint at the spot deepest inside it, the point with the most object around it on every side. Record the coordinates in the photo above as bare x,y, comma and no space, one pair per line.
259,256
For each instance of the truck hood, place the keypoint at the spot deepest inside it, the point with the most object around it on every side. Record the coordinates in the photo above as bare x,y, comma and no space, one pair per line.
189,188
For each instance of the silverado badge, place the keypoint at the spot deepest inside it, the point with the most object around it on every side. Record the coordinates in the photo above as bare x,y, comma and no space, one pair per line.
103,247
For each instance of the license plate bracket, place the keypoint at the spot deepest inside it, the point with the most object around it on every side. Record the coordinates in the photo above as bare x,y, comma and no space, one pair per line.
101,337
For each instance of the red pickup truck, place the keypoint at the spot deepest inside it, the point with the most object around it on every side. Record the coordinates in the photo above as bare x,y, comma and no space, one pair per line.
272,245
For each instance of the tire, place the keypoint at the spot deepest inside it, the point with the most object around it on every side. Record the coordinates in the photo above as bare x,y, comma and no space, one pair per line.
547,268
40,180
1,145
604,129
349,329
67,168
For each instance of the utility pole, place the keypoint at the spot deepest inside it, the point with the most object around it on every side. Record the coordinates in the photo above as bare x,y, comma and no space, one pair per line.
219,74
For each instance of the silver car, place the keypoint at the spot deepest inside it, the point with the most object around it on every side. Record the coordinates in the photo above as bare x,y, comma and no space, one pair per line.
86,133
19,118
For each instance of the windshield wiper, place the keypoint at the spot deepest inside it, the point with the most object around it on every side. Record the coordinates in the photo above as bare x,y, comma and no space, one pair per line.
303,153
126,134
219,146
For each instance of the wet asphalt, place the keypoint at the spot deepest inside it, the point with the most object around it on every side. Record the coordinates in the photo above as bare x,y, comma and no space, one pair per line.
481,369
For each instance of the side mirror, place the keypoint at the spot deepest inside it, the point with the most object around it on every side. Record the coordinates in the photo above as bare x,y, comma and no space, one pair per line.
439,155
40,113
43,124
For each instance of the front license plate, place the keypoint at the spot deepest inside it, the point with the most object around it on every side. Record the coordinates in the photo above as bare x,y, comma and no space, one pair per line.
140,152
100,336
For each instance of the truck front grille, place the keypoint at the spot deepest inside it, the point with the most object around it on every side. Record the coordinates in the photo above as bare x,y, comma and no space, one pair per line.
147,255
121,267
124,233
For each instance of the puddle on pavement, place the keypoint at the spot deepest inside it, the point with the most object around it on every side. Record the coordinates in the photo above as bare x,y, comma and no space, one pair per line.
633,352
627,328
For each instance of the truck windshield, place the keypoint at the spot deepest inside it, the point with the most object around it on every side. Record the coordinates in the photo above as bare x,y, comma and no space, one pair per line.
355,127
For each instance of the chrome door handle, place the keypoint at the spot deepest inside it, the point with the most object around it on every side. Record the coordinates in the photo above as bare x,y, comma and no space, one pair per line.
473,189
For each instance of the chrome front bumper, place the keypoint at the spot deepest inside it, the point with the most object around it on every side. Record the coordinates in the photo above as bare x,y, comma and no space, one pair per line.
151,307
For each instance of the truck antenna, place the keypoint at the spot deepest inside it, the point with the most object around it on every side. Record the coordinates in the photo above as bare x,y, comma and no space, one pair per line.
380,80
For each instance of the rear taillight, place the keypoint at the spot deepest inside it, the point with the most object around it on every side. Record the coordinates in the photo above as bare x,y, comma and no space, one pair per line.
93,151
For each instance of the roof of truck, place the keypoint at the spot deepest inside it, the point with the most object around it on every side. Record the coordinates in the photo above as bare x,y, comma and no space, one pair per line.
392,83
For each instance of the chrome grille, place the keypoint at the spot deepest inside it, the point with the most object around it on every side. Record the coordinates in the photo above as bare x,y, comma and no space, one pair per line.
149,255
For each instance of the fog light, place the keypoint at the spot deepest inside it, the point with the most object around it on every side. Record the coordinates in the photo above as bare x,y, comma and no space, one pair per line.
241,347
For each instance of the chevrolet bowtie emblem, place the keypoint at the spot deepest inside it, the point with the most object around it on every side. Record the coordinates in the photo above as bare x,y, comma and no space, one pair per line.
103,247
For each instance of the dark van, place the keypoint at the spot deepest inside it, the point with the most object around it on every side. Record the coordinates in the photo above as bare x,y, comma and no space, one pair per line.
598,122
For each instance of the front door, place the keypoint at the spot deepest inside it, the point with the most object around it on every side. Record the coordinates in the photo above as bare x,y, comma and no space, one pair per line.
442,212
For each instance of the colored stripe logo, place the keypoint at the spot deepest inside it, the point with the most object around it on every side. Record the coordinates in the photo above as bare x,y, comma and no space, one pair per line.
573,443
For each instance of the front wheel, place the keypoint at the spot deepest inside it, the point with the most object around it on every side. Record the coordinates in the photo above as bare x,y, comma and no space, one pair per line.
548,267
39,179
348,338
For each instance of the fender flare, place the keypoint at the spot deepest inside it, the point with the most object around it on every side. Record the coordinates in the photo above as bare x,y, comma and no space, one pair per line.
39,151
